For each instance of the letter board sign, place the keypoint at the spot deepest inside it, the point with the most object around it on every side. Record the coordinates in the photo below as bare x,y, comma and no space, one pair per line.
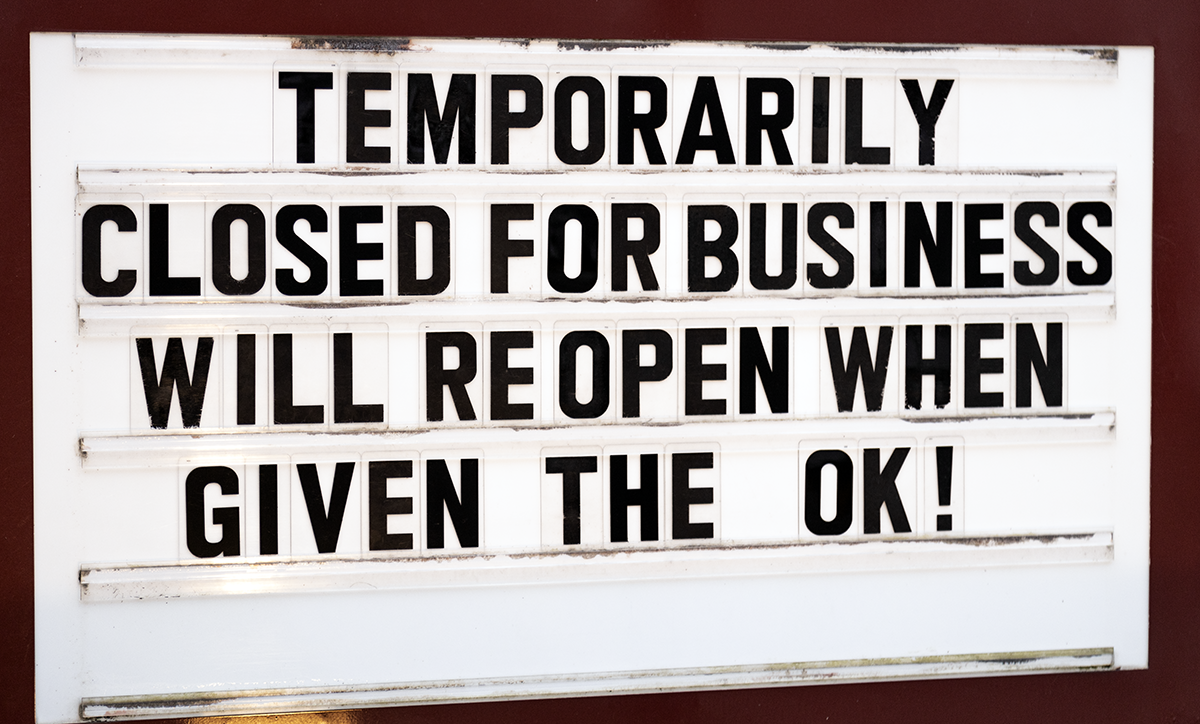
444,370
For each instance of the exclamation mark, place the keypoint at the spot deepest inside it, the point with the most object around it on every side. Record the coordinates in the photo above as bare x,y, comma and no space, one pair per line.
945,468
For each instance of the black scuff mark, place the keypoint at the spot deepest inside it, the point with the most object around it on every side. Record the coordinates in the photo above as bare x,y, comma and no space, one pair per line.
899,48
382,46
606,45
781,46
979,418
1108,55
1013,661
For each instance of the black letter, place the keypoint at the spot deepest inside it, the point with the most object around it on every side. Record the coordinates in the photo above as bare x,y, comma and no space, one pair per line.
1099,210
975,247
93,221
844,515
916,366
757,122
358,118
974,367
306,85
1021,272
938,248
621,498
174,375
759,278
563,147
285,412
695,372
840,254
855,152
720,248
646,123
568,352
633,373
351,252
639,249
683,496
820,116
423,108
927,116
858,362
436,376
285,232
503,248
326,525
503,376
380,506
503,119
246,379
407,218
1049,368
268,510
773,374
464,511
570,469
878,243
162,284
879,489
344,409
589,242
705,99
256,249
229,543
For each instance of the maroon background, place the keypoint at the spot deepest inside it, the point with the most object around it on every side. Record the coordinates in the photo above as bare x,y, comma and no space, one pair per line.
1168,692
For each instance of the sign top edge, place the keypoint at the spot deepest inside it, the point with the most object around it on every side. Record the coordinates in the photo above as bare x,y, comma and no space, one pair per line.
396,45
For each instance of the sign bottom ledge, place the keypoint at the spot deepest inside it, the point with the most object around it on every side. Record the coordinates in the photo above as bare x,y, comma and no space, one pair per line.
277,701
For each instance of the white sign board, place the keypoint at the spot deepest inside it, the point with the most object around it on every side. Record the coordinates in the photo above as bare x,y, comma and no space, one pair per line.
381,372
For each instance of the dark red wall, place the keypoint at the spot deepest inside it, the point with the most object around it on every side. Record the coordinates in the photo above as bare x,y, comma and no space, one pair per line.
1168,692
